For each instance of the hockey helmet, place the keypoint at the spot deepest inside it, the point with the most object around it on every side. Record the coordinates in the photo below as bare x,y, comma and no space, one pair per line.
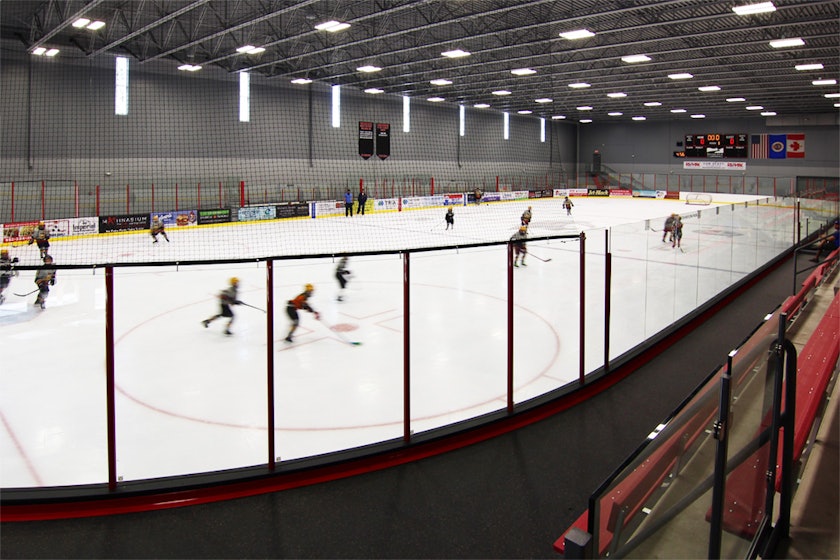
234,281
48,259
309,288
4,252
156,217
523,229
41,225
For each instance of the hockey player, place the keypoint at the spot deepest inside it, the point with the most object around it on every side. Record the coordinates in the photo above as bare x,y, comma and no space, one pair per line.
41,236
227,298
450,218
668,228
44,278
157,228
526,217
294,305
676,231
341,274
567,204
477,196
7,272
518,240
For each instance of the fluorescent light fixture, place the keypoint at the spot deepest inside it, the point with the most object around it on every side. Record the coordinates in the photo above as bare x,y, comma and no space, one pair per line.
81,22
815,66
653,104
709,88
754,108
336,106
440,82
698,116
121,86
558,117
406,113
189,67
615,114
824,82
301,81
832,95
39,51
639,118
633,58
579,85
617,95
523,72
542,130
457,53
506,126
96,25
681,76
585,121
750,9
543,100
584,108
462,112
482,105
525,112
783,43
368,68
501,92
577,34
53,52
332,26
374,91
678,111
837,104
250,49
735,99
768,113
244,97
436,99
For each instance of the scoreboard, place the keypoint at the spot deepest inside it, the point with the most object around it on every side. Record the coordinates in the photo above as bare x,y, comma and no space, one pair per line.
715,145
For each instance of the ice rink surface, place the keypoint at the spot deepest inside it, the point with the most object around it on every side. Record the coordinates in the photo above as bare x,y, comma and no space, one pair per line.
190,399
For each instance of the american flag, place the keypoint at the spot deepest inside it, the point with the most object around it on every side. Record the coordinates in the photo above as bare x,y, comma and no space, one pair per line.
759,146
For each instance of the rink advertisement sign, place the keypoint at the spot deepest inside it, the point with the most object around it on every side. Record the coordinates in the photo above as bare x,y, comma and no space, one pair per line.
541,193
386,204
179,218
123,222
254,213
293,210
217,216
722,165
598,192
84,226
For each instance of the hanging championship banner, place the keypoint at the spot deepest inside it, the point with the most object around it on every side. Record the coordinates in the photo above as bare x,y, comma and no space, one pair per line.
365,139
383,140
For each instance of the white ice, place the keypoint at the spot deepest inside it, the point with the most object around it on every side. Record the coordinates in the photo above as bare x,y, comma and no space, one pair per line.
190,399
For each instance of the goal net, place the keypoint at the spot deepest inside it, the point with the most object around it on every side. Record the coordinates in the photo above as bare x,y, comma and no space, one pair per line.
702,199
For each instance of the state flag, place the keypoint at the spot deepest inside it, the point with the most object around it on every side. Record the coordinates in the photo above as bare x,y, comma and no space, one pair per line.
796,145
778,146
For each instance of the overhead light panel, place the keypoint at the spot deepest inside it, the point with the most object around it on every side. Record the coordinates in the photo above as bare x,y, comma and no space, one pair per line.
368,68
615,114
39,51
51,52
698,116
332,26
543,100
824,82
482,105
681,76
96,25
709,88
735,99
580,85
374,91
750,9
457,53
768,113
784,43
634,58
814,66
832,95
523,72
678,111
617,95
754,108
639,118
501,92
250,49
436,99
189,67
577,34
653,104
584,108
80,23
301,81
558,117
525,112
441,82
585,121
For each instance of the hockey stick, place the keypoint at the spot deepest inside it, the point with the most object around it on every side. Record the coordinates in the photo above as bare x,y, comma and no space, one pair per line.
538,258
341,336
251,306
27,294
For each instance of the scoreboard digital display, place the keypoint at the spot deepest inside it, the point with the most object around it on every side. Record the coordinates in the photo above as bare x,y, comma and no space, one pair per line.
715,145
